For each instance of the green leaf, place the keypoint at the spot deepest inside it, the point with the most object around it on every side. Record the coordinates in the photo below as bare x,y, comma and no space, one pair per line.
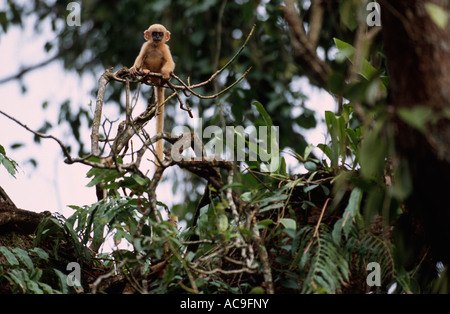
79,248
4,21
247,196
47,288
416,117
373,153
62,281
347,9
270,144
9,164
337,231
437,14
310,166
263,113
139,180
308,150
271,206
403,184
328,266
265,223
17,145
24,257
325,190
333,129
257,290
40,252
12,260
102,175
325,149
273,198
282,168
288,223
348,51
351,210
222,223
20,278
307,189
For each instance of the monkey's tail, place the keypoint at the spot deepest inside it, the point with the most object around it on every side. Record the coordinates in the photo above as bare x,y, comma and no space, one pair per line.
159,128
159,125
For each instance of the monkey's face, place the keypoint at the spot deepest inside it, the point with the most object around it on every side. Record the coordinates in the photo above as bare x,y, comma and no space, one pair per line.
157,33
157,36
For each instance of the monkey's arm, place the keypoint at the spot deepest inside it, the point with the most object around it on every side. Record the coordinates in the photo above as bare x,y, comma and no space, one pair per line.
138,62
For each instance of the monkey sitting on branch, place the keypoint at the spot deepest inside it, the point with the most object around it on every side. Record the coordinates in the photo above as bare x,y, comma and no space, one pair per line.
154,65
155,57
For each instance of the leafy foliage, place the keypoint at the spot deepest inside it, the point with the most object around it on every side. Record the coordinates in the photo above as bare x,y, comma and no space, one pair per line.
9,164
314,231
22,269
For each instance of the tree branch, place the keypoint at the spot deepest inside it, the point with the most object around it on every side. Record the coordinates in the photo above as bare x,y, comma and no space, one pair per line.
315,22
304,52
25,70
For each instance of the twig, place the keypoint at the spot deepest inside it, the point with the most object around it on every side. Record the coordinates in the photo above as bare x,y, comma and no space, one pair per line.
60,143
263,257
107,275
230,196
225,272
212,77
317,226
24,71
190,88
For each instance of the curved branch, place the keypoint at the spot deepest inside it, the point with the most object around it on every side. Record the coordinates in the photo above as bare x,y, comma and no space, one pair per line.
60,143
25,70
304,52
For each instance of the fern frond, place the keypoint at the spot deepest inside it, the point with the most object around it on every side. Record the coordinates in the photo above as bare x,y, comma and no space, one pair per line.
373,248
328,266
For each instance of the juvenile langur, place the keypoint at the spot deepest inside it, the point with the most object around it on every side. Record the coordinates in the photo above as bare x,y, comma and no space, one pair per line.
155,57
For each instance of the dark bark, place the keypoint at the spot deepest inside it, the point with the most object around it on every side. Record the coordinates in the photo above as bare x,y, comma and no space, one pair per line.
4,198
19,220
418,54
13,219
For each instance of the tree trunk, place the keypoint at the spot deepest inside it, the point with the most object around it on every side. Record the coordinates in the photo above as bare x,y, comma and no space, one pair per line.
418,54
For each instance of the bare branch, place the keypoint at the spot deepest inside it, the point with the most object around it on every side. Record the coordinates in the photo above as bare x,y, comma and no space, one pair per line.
304,52
315,22
60,143
24,71
263,257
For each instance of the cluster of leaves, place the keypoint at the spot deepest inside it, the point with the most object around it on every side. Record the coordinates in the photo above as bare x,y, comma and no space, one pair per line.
313,229
24,271
312,244
9,164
